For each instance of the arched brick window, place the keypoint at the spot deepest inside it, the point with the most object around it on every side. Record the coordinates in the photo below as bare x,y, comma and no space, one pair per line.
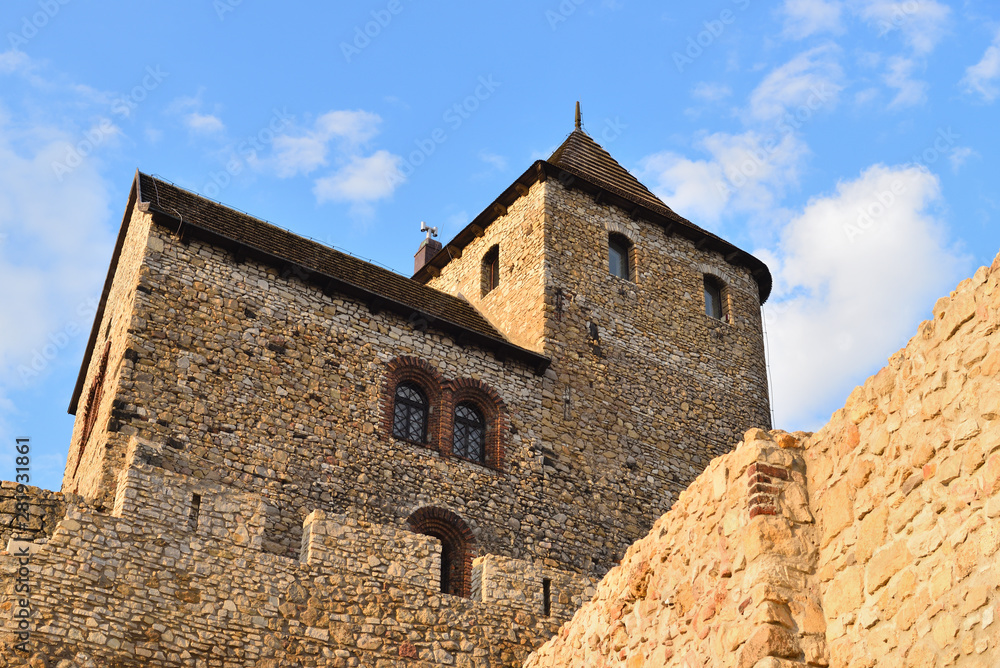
410,401
478,423
469,433
409,413
457,546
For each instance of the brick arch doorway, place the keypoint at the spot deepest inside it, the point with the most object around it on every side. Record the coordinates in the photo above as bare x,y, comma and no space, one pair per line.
457,546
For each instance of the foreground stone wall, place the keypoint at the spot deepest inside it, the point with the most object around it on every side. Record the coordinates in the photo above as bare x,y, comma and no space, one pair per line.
158,585
905,482
873,542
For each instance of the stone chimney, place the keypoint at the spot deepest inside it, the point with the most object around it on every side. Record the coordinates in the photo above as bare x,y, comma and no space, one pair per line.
428,249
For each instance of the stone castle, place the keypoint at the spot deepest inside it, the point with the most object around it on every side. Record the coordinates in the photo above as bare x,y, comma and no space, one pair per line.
285,456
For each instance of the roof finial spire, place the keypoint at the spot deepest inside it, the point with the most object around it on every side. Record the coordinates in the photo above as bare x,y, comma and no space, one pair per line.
579,117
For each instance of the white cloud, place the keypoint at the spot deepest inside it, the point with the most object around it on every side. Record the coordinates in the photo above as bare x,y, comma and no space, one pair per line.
922,23
959,155
362,180
204,123
809,17
498,162
53,255
711,92
982,78
911,91
747,172
811,79
692,188
854,274
304,151
13,61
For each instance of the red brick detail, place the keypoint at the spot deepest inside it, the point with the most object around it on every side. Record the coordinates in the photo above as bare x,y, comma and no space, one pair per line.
493,408
93,406
424,375
762,489
764,469
457,546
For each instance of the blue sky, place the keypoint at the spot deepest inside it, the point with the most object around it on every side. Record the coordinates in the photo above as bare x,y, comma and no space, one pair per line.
848,143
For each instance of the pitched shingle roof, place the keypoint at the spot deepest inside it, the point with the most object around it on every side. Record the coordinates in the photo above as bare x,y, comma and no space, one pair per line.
193,209
192,215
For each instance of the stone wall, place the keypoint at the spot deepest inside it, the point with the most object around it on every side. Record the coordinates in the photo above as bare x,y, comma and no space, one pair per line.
29,513
150,586
873,542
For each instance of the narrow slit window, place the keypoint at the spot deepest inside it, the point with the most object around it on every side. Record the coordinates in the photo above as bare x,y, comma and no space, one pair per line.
547,596
713,298
195,511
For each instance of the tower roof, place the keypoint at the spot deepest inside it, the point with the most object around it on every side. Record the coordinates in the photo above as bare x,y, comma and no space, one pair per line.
583,156
582,163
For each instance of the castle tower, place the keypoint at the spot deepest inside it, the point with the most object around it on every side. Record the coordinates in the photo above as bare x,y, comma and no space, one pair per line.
653,326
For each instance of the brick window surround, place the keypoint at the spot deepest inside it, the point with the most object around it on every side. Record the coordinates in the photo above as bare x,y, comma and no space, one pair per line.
426,377
493,409
458,546
443,396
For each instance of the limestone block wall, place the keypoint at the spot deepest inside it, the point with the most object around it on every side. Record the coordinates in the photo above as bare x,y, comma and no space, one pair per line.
517,305
342,542
707,585
905,482
873,542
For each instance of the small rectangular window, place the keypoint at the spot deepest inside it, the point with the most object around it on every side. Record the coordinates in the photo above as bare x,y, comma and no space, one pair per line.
547,596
